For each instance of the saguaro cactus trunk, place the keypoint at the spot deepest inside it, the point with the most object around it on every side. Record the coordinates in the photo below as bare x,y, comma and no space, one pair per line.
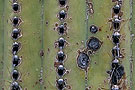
67,45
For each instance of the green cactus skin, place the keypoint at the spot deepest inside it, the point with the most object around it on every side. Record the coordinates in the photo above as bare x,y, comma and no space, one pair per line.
31,44
40,35
5,45
132,5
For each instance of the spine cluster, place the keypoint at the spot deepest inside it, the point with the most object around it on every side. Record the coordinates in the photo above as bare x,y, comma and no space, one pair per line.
117,70
15,35
61,44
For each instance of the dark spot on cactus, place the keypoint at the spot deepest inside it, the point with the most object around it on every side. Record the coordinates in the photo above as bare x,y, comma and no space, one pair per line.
93,29
67,7
15,7
62,2
83,60
68,87
47,22
61,70
15,86
61,84
116,23
61,42
115,63
15,33
61,56
15,74
65,24
62,15
117,72
41,53
116,9
15,21
61,29
15,47
116,52
93,44
16,60
116,37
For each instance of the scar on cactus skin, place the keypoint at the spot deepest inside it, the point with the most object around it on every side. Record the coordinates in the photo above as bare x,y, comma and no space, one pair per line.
93,44
83,60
